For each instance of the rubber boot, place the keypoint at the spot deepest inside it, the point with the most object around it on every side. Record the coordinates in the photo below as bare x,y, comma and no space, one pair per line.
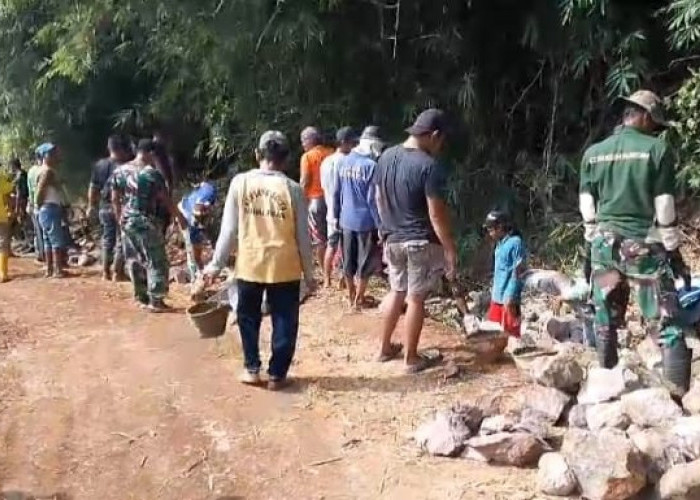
4,264
58,264
606,347
677,363
48,258
106,268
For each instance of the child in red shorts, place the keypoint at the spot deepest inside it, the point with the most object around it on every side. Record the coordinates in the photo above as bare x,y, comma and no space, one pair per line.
508,267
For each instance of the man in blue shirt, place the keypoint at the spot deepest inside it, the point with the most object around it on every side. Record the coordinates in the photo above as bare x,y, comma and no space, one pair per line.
355,209
197,208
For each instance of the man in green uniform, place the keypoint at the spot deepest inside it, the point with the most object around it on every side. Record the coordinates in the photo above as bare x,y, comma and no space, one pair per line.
628,208
138,191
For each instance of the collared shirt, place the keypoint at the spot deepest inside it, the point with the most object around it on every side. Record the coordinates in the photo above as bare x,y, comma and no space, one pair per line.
624,174
509,261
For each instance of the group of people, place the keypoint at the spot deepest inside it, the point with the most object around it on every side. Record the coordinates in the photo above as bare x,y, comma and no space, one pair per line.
359,197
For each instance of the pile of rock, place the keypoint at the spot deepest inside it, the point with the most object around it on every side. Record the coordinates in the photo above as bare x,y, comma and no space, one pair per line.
603,434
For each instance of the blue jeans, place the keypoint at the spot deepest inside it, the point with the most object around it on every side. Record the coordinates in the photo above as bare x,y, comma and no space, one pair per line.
284,310
51,220
38,236
112,251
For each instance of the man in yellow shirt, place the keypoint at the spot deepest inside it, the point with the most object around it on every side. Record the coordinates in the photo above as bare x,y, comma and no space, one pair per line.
6,188
265,223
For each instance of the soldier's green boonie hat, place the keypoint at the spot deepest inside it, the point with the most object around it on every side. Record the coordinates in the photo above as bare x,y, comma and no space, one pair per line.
651,103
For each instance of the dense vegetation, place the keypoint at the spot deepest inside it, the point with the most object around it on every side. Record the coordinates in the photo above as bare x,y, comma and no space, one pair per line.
530,81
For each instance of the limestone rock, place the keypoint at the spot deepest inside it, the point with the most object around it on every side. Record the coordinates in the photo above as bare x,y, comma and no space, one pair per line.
548,401
602,385
446,434
650,353
687,433
554,476
577,416
504,448
498,423
605,463
561,371
660,449
691,400
682,482
607,415
650,407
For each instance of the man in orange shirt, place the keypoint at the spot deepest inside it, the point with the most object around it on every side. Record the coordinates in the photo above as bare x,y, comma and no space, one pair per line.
314,154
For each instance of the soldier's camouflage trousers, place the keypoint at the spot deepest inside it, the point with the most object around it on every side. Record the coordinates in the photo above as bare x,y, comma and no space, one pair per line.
621,266
146,261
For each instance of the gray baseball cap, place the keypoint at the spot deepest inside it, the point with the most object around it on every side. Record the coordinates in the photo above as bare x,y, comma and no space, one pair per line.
272,137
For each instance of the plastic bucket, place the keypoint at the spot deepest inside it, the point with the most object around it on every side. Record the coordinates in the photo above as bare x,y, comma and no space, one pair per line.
209,318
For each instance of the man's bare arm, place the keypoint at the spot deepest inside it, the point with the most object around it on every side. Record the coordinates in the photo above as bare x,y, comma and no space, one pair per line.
440,220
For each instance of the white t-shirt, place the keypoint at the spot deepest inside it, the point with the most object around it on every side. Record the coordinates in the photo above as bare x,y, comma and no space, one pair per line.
329,173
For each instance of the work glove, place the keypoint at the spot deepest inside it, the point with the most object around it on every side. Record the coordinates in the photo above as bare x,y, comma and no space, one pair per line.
679,267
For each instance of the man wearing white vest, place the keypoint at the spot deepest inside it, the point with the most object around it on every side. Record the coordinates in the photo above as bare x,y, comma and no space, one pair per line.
265,223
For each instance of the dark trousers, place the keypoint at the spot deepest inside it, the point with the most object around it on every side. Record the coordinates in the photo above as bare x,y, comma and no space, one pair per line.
38,236
283,299
112,251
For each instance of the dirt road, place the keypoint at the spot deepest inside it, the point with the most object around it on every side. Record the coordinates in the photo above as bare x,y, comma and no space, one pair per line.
101,401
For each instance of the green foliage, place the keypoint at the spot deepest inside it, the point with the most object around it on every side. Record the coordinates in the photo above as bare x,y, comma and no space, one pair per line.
531,83
687,107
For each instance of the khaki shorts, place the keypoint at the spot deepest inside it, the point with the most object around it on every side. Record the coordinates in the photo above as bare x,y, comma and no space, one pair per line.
5,237
414,266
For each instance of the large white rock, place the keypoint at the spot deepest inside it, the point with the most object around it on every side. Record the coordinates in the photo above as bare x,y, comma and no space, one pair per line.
561,371
691,400
518,449
547,401
687,432
682,482
554,476
447,432
651,407
606,464
607,415
661,450
602,385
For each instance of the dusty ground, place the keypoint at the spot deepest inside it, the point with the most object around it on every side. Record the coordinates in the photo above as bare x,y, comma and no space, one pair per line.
101,401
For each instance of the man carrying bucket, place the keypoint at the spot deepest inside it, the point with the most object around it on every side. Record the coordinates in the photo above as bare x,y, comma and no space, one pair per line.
265,223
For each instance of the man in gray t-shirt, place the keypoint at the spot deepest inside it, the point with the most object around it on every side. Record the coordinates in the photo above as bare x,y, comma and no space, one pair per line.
410,186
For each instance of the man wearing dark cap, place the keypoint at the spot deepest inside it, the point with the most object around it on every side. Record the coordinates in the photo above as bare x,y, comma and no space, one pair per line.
419,247
100,198
265,224
138,189
346,139
627,200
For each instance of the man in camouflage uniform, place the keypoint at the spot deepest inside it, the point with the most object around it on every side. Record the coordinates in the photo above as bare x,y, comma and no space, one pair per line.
628,207
138,190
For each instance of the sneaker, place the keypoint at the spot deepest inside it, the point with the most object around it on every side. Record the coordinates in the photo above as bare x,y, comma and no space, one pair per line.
158,306
249,378
278,384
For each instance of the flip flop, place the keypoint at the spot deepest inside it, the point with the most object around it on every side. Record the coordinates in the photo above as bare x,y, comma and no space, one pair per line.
425,361
395,352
